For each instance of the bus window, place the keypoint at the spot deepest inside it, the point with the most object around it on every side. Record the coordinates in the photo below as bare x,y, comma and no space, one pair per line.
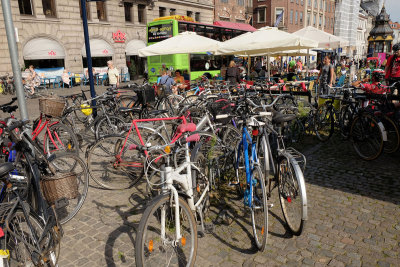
198,62
201,30
182,27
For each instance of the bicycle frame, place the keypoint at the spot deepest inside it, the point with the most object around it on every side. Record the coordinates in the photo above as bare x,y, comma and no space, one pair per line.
249,161
39,129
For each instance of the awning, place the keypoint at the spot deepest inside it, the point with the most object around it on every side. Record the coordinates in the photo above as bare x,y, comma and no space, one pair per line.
133,46
234,25
43,48
99,48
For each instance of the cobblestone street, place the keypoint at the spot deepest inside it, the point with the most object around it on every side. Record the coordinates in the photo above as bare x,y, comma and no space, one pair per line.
353,219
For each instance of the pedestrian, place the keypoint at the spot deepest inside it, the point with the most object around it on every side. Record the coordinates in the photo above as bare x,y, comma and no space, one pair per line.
168,82
66,79
258,66
393,67
232,73
299,66
33,79
113,75
325,76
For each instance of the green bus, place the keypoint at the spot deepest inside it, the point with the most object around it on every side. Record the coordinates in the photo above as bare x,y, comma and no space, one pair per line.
165,27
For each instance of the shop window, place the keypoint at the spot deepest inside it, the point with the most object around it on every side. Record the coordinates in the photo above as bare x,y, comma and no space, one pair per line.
87,9
128,11
172,11
189,13
101,11
162,11
142,14
49,8
197,16
25,7
45,63
96,61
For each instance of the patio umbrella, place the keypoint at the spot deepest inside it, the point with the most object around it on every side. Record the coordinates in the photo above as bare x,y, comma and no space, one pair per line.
324,39
183,43
266,40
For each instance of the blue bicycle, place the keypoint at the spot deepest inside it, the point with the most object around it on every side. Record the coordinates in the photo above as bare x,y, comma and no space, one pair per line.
247,168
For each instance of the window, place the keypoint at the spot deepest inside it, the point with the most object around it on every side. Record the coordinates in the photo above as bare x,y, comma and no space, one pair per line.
321,6
320,20
128,9
278,12
301,17
189,13
291,1
101,11
291,16
197,16
25,7
296,17
224,1
325,23
172,11
87,9
302,2
142,14
315,3
297,1
261,15
315,20
309,3
329,7
49,8
162,11
326,4
240,2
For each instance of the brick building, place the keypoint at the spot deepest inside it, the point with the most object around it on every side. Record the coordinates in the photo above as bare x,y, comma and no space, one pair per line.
232,10
297,14
50,32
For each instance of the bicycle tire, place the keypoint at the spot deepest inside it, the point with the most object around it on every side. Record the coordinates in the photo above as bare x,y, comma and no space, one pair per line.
392,131
64,139
77,101
21,224
346,118
292,194
324,123
146,246
259,209
109,125
106,169
363,127
62,163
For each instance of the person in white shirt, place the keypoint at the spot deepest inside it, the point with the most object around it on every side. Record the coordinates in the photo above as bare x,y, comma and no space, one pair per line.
113,75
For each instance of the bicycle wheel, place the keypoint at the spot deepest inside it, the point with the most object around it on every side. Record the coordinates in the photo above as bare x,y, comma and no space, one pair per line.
324,122
72,163
346,118
367,136
109,125
21,234
111,168
230,135
292,194
78,101
60,138
392,132
156,243
259,209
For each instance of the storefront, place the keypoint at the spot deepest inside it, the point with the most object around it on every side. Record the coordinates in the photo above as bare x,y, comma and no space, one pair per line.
101,52
43,53
136,64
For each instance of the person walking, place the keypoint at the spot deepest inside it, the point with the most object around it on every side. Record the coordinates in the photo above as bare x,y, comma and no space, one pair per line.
113,74
232,73
392,68
325,76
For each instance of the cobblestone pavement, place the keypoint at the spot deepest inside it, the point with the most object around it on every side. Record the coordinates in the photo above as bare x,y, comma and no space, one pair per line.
354,220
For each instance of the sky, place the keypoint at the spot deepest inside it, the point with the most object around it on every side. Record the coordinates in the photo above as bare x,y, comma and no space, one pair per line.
393,9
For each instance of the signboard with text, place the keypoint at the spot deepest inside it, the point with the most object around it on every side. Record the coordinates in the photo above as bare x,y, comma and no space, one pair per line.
158,33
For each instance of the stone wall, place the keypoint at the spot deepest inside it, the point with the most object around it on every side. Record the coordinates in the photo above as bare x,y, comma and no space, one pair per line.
67,29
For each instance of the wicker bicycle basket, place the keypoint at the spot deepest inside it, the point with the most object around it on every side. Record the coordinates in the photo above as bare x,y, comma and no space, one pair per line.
61,185
51,106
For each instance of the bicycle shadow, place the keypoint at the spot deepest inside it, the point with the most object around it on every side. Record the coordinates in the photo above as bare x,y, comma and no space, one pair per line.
120,242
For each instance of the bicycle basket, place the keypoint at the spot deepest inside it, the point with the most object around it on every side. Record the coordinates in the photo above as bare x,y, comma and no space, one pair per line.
61,185
52,106
147,95
221,106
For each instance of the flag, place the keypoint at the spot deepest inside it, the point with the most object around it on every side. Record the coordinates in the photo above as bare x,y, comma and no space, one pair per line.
279,19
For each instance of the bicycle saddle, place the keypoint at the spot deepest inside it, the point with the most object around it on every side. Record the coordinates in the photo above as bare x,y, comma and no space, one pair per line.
127,110
278,117
5,168
189,127
9,109
158,112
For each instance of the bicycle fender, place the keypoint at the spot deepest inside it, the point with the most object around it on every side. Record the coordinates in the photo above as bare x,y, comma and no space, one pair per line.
383,131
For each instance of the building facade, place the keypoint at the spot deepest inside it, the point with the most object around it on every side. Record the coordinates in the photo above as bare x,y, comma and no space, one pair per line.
231,10
363,29
297,14
381,36
50,34
347,22
396,29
